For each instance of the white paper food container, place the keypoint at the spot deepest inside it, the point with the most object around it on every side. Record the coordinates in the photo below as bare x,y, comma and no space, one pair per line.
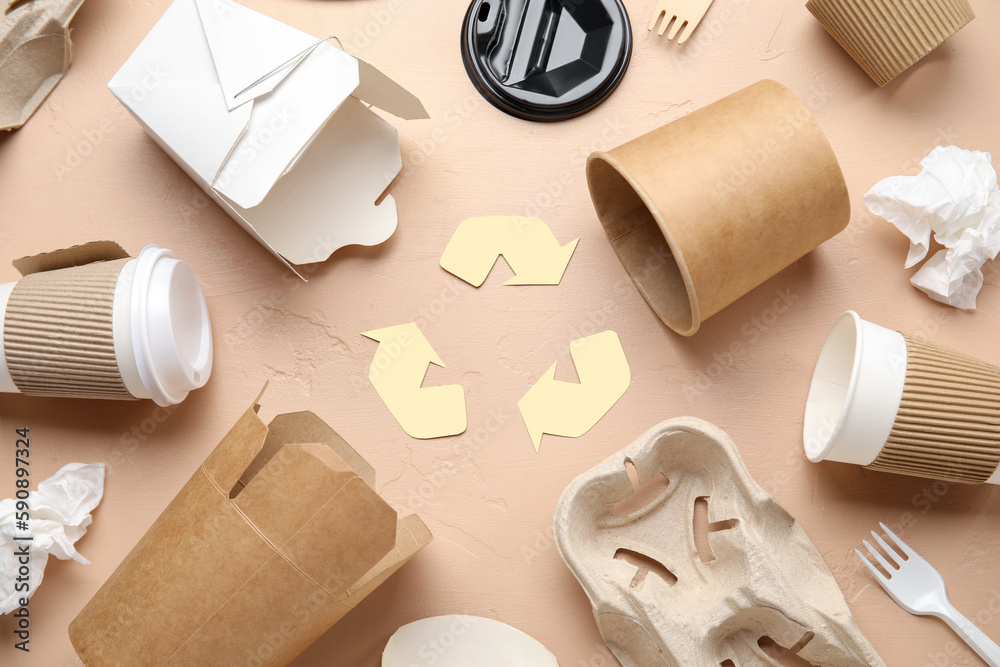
299,159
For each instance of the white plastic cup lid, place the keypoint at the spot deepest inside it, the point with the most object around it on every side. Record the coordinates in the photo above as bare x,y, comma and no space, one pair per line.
171,332
855,392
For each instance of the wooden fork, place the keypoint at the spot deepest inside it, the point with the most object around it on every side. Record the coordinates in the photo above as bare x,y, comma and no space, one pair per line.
683,13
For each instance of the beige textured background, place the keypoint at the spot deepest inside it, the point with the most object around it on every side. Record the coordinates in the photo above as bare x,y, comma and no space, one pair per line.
81,169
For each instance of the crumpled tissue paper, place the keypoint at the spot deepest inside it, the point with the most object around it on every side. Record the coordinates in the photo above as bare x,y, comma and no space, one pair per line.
957,197
59,515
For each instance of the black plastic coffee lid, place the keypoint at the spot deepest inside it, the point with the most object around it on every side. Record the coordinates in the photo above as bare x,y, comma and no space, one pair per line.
546,60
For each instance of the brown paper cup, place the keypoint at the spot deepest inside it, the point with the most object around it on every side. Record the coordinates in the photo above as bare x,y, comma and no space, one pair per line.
58,336
886,37
708,207
948,423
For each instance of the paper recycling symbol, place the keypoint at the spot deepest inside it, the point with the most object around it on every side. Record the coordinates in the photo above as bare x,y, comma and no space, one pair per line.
526,244
550,406
571,409
398,371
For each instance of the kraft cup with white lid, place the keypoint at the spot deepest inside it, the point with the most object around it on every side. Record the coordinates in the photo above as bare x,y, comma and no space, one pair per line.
162,333
855,393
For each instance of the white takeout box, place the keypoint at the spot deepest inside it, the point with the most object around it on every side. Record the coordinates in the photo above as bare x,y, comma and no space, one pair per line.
299,159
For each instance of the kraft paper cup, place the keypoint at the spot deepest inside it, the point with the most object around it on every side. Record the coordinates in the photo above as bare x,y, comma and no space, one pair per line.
886,37
708,207
892,402
122,329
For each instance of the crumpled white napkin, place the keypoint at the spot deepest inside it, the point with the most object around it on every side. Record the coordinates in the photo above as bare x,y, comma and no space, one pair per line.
59,515
955,196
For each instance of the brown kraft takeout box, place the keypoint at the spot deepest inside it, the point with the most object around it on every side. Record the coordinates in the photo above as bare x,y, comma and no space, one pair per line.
274,539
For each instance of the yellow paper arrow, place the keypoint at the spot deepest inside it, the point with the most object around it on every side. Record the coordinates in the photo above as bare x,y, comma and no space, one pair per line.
526,243
398,370
570,409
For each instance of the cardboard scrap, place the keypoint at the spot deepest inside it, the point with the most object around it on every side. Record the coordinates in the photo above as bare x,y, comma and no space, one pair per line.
665,596
527,245
571,409
398,370
35,52
78,255
273,539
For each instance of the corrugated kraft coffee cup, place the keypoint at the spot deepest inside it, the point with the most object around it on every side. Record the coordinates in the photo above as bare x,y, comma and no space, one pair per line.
708,207
121,329
892,402
886,37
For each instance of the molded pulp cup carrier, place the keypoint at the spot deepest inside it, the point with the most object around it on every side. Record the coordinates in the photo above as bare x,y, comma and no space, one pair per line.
122,329
893,402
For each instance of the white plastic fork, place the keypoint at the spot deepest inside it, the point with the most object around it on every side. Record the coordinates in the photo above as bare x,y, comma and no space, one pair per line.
919,589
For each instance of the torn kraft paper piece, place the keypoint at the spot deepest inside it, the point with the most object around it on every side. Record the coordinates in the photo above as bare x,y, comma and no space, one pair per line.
35,53
274,124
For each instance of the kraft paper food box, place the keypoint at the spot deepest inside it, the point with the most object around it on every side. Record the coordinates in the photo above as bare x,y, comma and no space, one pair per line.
274,538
